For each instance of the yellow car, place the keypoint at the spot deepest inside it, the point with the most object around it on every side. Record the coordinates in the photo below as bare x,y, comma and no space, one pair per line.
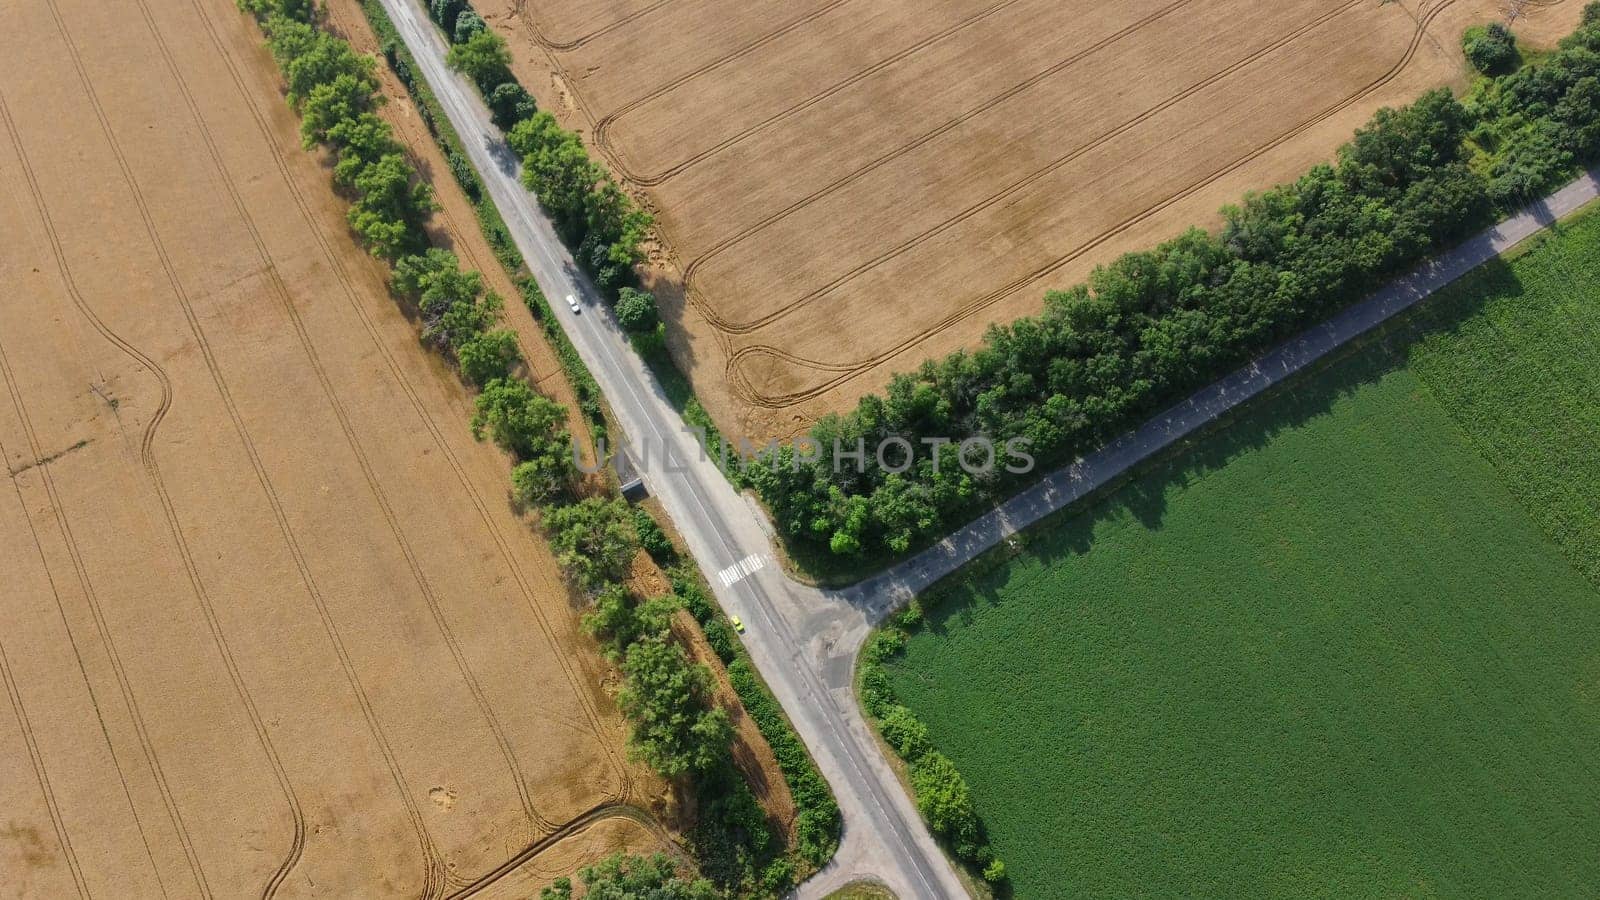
738,624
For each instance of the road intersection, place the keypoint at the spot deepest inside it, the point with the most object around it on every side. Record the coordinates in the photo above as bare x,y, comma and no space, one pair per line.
803,640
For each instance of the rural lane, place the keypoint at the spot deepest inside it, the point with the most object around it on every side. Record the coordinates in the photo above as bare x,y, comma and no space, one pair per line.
804,640
801,640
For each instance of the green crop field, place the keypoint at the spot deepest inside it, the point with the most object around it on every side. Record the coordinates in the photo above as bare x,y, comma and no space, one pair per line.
1349,645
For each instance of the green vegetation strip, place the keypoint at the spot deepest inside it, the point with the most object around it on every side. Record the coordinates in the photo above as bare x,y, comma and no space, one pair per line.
663,695
816,812
675,727
1348,645
494,227
1152,327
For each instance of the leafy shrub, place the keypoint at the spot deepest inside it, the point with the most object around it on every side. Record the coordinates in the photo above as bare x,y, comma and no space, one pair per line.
482,57
731,838
636,311
594,538
939,789
620,877
653,539
817,819
943,797
904,732
510,103
1492,49
468,24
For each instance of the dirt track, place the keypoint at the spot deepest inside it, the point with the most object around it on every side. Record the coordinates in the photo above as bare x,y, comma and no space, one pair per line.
270,624
847,188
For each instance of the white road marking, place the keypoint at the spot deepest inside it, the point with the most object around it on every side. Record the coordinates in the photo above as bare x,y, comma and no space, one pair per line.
742,569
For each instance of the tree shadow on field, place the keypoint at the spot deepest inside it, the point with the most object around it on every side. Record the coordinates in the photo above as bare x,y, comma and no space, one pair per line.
1143,494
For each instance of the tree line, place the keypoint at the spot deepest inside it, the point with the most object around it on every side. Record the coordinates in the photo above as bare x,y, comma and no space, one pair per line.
1153,326
592,213
664,695
941,791
675,727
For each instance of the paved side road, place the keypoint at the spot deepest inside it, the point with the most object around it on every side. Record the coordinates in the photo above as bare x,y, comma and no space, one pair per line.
891,589
803,640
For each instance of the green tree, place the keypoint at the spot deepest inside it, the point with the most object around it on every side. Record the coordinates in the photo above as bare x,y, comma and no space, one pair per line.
622,877
483,57
1492,49
416,273
331,104
297,10
321,62
488,355
519,420
445,12
618,620
943,797
288,39
390,206
541,479
667,698
616,223
563,177
534,133
594,538
360,141
510,103
636,311
468,24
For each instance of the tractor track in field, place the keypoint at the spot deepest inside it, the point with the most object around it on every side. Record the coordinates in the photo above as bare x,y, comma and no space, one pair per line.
691,270
286,301
746,391
539,37
1031,178
603,127
502,543
433,873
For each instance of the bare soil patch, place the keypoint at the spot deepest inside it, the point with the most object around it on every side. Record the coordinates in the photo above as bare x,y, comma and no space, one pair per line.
270,623
847,188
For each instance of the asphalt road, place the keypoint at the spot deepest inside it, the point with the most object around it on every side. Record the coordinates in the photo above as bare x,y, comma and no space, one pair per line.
804,641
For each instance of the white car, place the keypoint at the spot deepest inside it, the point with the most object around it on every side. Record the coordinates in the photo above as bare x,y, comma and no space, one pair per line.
572,303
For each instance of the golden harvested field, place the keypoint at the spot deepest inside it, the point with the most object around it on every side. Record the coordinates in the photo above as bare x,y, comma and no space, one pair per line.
268,625
846,188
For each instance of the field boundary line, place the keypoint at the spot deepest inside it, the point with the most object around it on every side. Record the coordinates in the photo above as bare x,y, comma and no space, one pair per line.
780,401
512,562
577,825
